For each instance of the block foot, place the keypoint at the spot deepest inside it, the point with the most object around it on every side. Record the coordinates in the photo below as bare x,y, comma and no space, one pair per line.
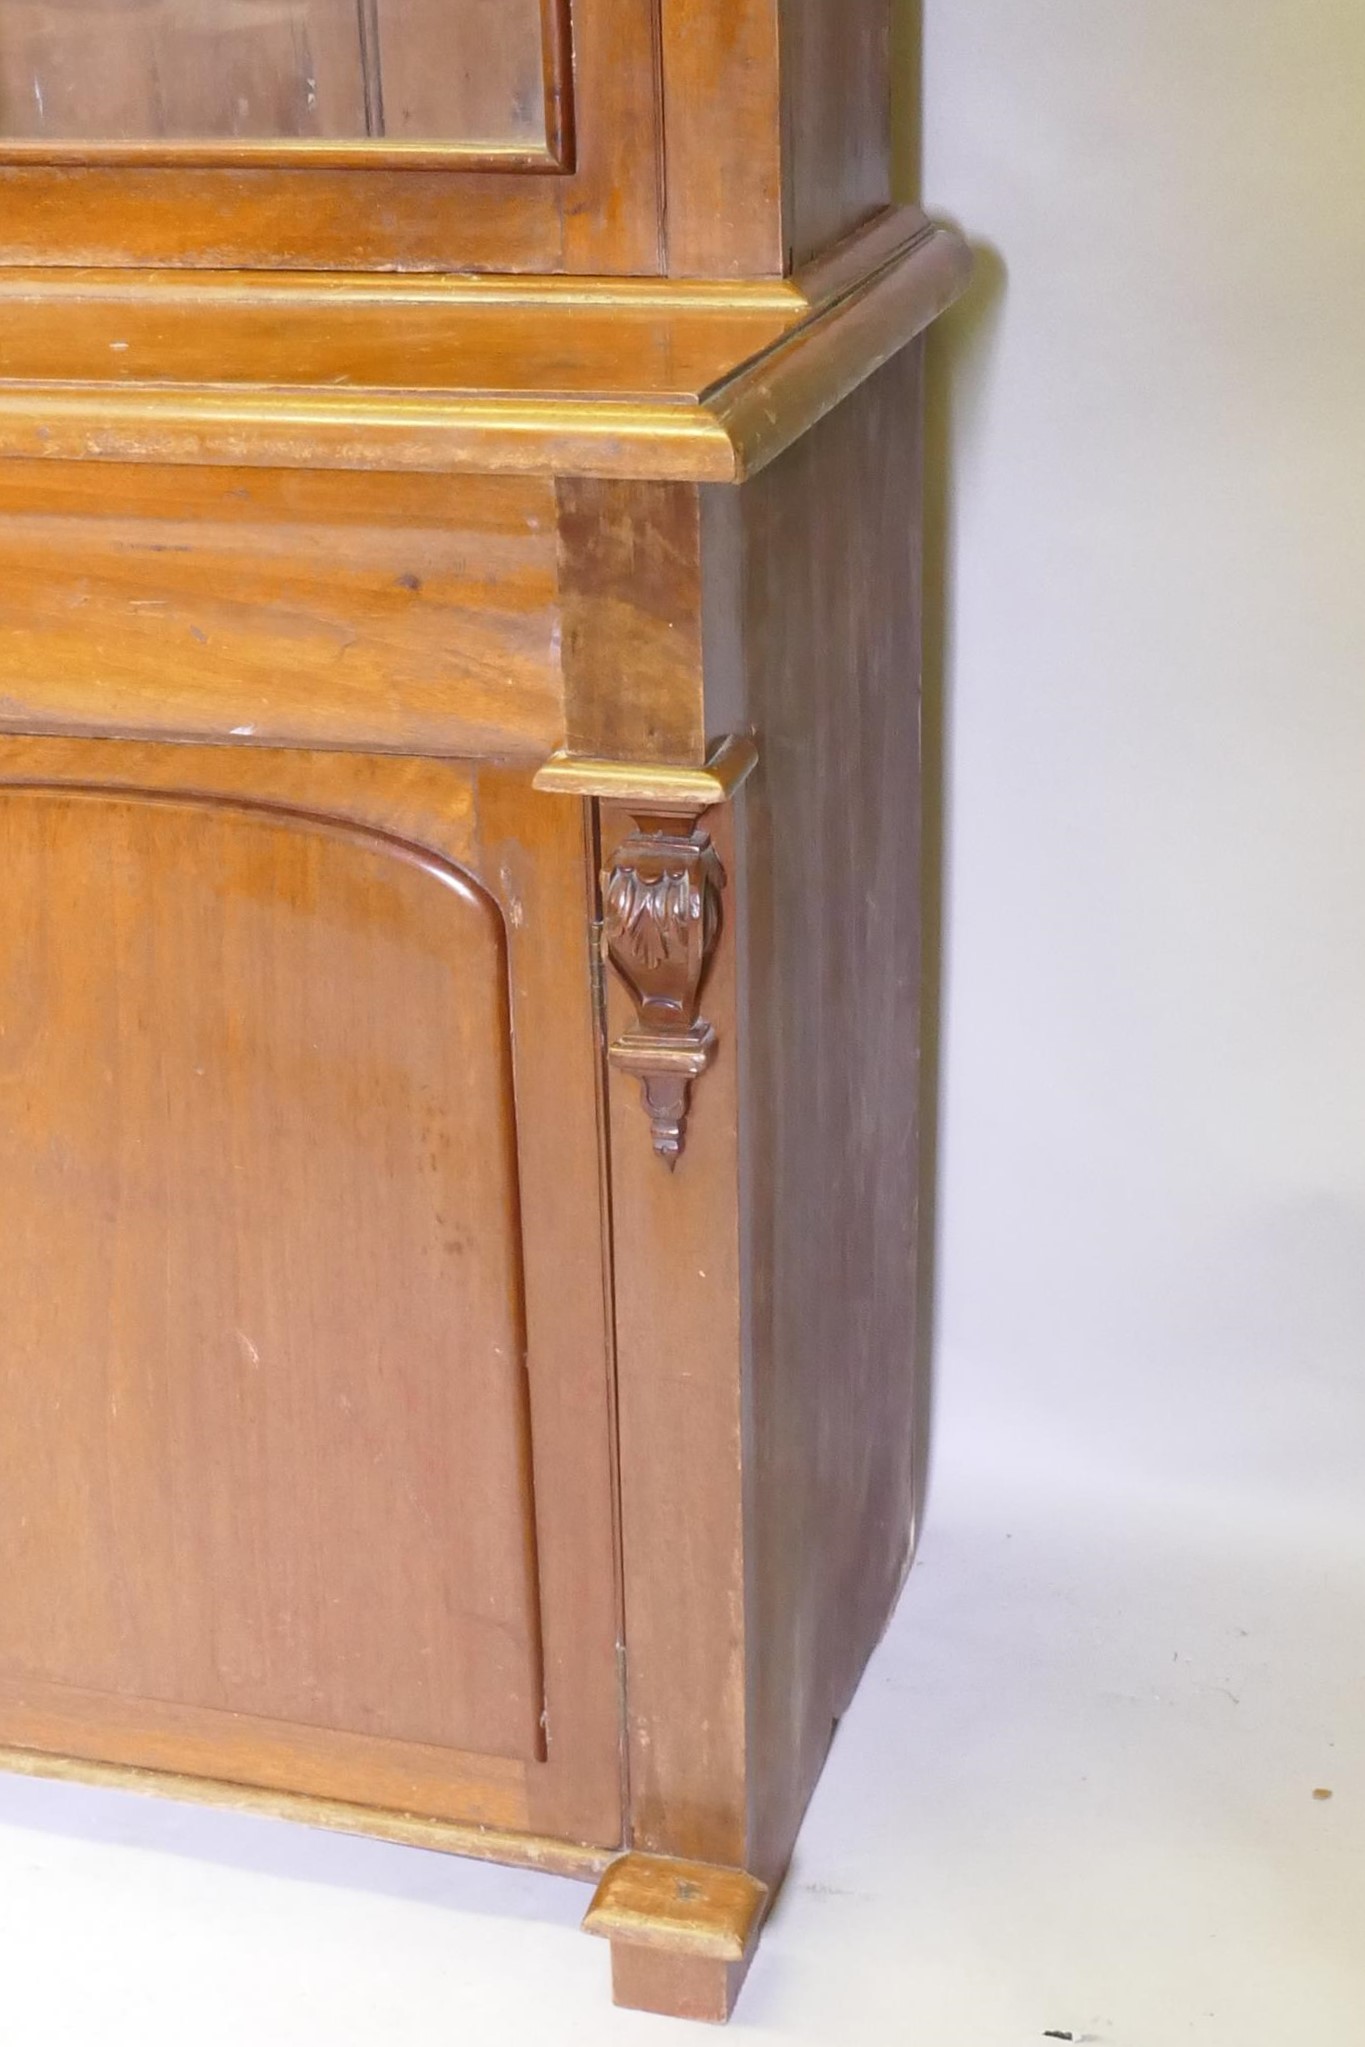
682,1934
678,1986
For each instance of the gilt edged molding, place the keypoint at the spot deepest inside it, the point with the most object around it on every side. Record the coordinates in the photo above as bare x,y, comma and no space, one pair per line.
661,785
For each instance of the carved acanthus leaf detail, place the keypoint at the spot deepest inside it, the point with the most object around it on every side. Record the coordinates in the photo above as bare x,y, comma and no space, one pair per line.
661,903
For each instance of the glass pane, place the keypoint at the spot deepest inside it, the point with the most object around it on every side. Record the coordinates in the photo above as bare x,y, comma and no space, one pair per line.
457,71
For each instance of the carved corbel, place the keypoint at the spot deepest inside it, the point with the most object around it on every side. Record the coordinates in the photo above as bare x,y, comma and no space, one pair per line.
661,900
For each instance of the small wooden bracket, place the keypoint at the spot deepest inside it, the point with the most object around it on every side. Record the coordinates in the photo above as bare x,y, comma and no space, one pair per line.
661,910
661,918
682,1933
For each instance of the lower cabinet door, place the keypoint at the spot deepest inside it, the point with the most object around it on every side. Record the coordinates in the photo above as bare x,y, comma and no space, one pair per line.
305,1444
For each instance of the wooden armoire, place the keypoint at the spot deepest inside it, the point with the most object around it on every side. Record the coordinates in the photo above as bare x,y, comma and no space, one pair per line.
458,946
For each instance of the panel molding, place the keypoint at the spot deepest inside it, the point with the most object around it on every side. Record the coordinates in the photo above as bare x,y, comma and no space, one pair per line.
247,1748
516,1848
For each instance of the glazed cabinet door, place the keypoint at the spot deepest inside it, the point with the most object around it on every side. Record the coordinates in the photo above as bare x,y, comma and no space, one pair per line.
330,134
482,73
304,1432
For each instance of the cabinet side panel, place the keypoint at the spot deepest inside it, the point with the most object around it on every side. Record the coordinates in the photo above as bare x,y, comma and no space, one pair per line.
828,904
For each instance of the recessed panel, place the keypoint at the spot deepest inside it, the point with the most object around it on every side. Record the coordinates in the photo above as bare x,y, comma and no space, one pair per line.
264,1447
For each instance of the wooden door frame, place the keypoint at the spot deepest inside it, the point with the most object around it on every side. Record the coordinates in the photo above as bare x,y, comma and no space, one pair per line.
590,201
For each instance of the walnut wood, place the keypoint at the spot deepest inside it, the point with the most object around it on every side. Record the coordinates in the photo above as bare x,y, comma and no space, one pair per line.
160,82
723,178
630,574
836,73
110,72
264,1319
441,1784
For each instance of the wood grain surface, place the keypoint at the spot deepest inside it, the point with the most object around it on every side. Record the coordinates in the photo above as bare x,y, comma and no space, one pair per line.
679,1279
777,125
365,611
765,1290
827,921
223,1032
459,619
306,1445
630,585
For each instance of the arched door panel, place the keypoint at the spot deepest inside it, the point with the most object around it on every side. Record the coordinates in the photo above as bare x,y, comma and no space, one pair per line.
268,1458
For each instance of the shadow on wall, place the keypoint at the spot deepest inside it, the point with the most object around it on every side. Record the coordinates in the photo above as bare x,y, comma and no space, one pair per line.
955,361
959,348
956,346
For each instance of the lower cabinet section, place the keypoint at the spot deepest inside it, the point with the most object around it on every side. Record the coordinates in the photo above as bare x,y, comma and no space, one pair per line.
457,1236
305,1465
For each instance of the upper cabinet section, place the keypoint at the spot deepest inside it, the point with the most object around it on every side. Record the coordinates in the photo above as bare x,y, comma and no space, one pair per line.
688,138
203,76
